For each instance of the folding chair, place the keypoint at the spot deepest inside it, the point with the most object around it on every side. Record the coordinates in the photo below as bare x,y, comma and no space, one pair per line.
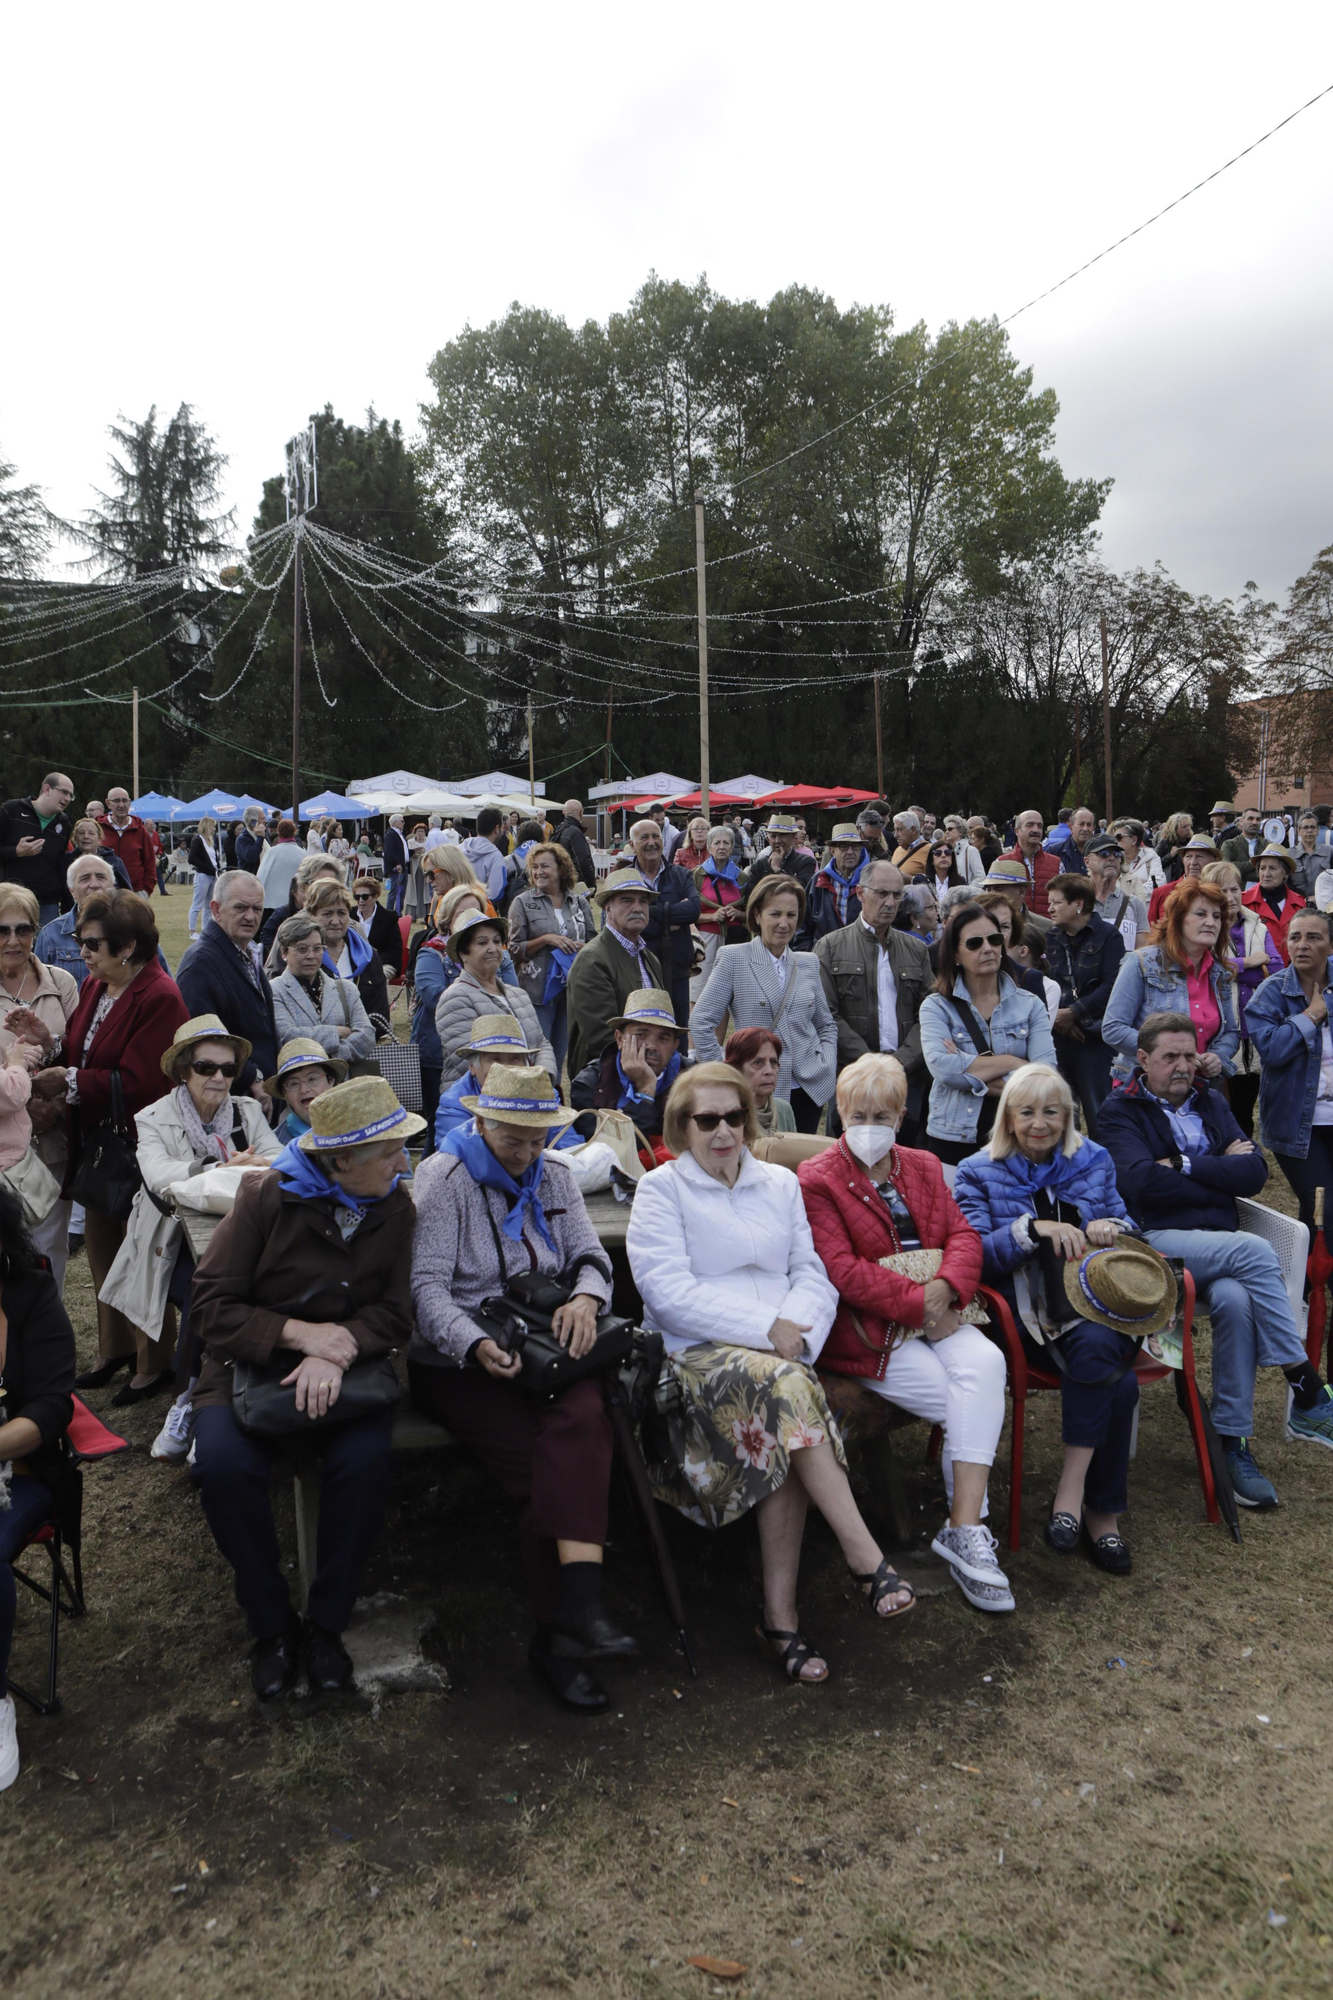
1025,1376
86,1440
1291,1241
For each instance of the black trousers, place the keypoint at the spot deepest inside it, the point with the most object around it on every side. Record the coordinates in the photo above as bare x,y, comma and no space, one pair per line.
804,1110
1086,1068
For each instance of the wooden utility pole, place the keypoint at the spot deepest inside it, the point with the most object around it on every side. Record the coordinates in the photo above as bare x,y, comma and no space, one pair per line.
1078,757
301,487
703,653
134,755
296,675
1106,721
879,743
532,782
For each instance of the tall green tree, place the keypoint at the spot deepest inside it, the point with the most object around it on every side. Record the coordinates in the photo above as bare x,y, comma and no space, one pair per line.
25,527
162,512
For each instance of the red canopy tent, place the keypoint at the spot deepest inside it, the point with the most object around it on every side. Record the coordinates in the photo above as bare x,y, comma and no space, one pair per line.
817,798
692,801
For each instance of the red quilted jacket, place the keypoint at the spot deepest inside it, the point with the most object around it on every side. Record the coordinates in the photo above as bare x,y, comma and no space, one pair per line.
852,1231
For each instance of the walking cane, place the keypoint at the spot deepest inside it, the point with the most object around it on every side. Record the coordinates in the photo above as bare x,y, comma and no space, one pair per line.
636,1477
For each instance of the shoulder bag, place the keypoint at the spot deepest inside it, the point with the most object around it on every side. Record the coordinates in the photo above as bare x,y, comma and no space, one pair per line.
264,1406
107,1177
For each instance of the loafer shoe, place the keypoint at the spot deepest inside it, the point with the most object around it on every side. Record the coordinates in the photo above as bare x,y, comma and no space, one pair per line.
1247,1482
328,1664
593,1637
274,1663
1062,1533
573,1687
1109,1552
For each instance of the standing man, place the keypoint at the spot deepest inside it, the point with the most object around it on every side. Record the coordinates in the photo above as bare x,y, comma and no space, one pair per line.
1040,867
128,837
395,862
875,978
1070,844
615,964
222,975
571,834
676,907
55,943
34,834
1222,820
1115,906
488,864
1083,955
870,826
913,849
1246,845
781,858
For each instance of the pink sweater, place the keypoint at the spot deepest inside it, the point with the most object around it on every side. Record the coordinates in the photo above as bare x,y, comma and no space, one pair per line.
15,1124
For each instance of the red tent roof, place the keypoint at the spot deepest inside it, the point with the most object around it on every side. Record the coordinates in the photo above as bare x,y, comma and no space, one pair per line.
691,801
796,795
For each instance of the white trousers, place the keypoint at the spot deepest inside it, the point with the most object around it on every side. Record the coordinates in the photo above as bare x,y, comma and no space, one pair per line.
957,1382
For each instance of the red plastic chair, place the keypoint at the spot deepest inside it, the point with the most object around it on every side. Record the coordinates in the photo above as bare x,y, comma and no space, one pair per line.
405,933
1025,1377
87,1440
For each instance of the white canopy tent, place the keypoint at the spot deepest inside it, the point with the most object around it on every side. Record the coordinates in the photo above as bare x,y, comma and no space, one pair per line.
658,785
398,782
748,787
497,783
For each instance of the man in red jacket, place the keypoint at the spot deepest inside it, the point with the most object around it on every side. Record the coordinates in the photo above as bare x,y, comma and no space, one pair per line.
129,838
1042,868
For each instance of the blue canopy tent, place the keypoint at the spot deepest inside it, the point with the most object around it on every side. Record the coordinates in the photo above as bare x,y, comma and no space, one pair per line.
332,805
158,805
216,804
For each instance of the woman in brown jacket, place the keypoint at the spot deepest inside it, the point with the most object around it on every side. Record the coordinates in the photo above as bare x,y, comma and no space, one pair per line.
312,1269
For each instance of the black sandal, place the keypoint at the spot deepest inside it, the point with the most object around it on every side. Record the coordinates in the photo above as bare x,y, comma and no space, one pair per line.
885,1582
794,1655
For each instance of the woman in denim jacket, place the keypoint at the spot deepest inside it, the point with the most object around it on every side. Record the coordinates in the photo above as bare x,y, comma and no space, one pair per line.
976,1028
1179,974
1289,1022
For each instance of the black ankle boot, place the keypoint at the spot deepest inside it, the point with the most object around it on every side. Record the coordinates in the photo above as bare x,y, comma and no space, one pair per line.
328,1664
572,1686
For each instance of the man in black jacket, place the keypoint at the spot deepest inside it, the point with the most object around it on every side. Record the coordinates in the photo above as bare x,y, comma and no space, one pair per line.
635,1075
782,859
571,836
396,860
222,975
675,907
34,837
1083,954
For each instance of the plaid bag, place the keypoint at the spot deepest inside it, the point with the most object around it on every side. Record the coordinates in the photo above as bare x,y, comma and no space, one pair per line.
399,1063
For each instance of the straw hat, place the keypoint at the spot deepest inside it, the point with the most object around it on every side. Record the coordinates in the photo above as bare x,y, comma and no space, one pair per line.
468,922
1201,842
514,1096
357,1114
647,1007
300,1053
846,835
782,823
1282,854
622,882
203,1028
1221,806
1005,873
1129,1287
494,1035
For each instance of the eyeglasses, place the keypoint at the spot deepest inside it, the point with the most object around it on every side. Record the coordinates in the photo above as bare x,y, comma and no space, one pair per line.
17,930
206,1068
366,896
708,1121
979,943
90,943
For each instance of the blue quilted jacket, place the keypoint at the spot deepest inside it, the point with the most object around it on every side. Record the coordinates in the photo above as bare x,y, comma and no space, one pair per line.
993,1194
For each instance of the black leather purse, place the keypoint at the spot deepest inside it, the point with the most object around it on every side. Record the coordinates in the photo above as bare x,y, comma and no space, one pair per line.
520,1323
265,1408
107,1177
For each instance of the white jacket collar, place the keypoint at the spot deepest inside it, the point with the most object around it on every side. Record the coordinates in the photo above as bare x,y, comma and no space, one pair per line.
688,1166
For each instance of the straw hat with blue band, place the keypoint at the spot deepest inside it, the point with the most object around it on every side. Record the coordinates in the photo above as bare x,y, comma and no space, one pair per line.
301,1053
1005,873
1129,1287
496,1035
516,1096
781,823
361,1112
466,924
846,835
647,1007
203,1028
623,882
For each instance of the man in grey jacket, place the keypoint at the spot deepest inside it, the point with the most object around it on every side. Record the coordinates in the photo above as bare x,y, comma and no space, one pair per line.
876,978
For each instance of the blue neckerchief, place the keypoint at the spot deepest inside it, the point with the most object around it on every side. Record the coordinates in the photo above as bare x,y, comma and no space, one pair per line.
300,1176
486,1170
629,1094
731,873
843,885
358,951
1034,1174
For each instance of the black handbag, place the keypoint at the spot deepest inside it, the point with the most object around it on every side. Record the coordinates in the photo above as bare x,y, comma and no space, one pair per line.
520,1323
107,1177
266,1408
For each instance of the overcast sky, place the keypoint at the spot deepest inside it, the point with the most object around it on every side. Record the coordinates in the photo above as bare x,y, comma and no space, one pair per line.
264,208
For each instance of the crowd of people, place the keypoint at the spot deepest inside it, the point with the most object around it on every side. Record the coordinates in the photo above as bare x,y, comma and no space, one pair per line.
867,1098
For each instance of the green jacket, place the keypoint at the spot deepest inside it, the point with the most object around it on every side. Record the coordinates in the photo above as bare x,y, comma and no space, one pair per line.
849,966
600,981
1237,851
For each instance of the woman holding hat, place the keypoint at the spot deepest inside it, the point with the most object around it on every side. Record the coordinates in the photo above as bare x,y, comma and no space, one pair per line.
495,1038
768,984
1274,898
477,947
549,921
311,1002
311,1272
305,1071
496,1206
1044,1201
197,1125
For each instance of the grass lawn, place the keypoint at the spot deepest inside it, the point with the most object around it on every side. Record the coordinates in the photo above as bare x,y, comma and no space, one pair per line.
1119,1789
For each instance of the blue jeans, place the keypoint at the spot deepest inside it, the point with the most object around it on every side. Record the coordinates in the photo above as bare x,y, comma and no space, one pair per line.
30,1504
554,1019
199,901
1240,1281
234,1474
395,895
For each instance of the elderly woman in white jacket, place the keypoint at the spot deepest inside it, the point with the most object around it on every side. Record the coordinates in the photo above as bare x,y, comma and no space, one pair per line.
197,1125
723,1257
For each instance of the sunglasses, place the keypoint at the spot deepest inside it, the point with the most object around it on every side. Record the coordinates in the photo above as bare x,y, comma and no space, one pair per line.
89,943
16,930
366,896
708,1121
979,943
207,1068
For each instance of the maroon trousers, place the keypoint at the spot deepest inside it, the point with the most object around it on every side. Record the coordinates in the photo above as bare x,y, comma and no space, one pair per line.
553,1458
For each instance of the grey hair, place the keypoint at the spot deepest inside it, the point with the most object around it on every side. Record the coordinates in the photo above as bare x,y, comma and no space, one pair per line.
227,878
728,832
644,826
953,899
254,816
295,930
80,860
310,864
907,819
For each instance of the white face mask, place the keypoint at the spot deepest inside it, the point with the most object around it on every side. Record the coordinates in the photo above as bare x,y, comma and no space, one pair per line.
870,1143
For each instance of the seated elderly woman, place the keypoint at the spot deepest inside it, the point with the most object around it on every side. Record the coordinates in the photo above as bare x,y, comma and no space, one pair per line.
317,867
1044,1201
36,1403
495,1206
722,1255
310,1001
477,946
305,1071
495,1038
757,1054
306,1278
902,1333
347,954
433,970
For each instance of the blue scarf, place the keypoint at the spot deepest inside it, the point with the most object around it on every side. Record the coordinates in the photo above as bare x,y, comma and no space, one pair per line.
486,1170
843,885
358,951
731,873
300,1176
629,1094
1033,1175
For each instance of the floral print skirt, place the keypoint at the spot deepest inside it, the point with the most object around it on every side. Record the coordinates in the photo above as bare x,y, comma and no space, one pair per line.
746,1412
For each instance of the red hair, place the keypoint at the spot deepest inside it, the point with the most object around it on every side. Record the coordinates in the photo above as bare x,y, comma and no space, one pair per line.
1169,930
744,1044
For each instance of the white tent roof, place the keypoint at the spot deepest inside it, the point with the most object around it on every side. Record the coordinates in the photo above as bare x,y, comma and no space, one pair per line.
434,798
499,782
659,784
400,782
748,787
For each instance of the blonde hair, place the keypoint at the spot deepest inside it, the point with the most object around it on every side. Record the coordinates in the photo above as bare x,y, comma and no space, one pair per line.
1224,873
1025,1086
13,895
681,1099
874,1085
447,907
321,894
450,860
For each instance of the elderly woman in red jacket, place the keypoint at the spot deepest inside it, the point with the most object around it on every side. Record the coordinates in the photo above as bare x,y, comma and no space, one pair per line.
905,1336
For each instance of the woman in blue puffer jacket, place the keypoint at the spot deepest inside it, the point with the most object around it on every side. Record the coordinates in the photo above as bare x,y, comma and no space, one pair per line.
1044,1201
1288,1020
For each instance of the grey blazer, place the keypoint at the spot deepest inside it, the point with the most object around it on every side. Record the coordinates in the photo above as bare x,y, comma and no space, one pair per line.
294,1014
465,1002
744,984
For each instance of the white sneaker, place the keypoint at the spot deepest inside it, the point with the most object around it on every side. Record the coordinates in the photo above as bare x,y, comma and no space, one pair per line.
970,1554
173,1440
9,1743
